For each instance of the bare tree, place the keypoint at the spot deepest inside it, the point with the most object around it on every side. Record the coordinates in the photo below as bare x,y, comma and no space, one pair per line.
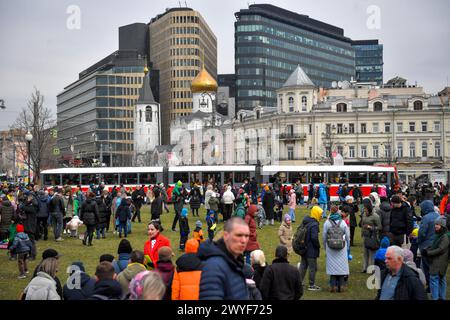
37,119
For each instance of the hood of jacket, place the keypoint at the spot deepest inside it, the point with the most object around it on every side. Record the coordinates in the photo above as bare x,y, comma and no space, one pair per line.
252,209
385,242
210,249
308,220
427,206
165,266
385,206
43,198
132,270
108,288
316,213
376,197
188,262
22,236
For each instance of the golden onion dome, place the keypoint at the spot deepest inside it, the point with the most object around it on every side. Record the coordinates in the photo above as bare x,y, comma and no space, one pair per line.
146,70
203,82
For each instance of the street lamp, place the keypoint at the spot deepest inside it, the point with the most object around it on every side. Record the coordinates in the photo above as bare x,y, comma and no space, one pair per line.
29,137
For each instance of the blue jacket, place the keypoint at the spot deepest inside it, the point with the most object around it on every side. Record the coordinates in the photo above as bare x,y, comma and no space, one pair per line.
122,263
322,194
222,275
426,229
381,253
312,237
86,289
21,243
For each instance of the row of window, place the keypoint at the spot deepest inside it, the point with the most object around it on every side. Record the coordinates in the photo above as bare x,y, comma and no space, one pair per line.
176,41
378,106
113,113
181,94
369,68
182,105
127,69
116,91
185,19
148,114
104,79
296,37
184,63
256,93
185,30
115,102
114,135
184,52
114,124
340,128
184,73
181,84
296,48
313,35
259,82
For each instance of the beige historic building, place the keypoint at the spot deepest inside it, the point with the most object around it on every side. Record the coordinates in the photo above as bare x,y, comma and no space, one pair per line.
180,43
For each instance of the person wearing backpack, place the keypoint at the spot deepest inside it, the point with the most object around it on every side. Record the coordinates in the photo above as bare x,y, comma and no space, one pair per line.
371,227
285,233
336,240
312,247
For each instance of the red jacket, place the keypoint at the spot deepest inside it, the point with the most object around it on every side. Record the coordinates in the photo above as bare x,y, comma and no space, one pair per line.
250,220
161,241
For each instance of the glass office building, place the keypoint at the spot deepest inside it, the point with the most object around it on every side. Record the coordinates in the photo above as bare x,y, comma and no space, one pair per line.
368,61
269,44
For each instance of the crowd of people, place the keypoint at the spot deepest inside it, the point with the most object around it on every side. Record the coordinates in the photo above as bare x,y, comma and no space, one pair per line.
411,250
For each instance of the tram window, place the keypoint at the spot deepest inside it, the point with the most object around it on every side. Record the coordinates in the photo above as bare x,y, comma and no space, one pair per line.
357,177
211,177
88,179
239,177
194,178
227,177
337,177
294,176
111,178
51,179
129,178
71,179
147,178
180,176
317,177
377,177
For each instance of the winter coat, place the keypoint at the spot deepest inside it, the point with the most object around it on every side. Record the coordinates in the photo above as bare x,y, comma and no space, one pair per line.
336,260
106,290
214,204
353,209
285,235
186,278
401,222
121,263
43,206
195,198
156,208
312,237
87,285
281,281
208,195
166,269
384,212
357,193
408,287
252,243
253,291
438,256
228,196
56,205
419,272
123,211
222,275
127,275
426,229
372,220
292,201
89,212
268,203
41,287
152,252
184,226
21,243
103,212
258,273
6,215
322,194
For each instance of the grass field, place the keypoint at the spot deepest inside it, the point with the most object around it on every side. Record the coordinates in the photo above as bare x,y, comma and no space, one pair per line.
73,250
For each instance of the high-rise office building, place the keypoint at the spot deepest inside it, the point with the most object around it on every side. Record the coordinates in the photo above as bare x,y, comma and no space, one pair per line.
271,42
180,43
95,114
368,61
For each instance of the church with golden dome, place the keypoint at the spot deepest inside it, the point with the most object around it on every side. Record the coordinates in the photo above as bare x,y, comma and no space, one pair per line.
204,91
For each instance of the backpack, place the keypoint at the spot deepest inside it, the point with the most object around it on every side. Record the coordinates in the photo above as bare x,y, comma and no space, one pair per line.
335,236
299,239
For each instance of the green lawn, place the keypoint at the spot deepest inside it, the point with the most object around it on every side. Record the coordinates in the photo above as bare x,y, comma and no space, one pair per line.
73,250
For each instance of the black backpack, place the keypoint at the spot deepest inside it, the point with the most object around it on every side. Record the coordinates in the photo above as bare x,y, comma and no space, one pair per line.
299,240
335,236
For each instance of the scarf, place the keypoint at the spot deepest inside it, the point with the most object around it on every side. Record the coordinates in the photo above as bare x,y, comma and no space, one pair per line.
335,217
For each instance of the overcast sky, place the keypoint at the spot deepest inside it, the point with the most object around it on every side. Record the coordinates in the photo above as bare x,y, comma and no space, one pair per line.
38,49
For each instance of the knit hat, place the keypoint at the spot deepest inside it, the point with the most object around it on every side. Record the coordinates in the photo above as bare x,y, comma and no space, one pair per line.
441,221
198,224
124,247
137,285
50,253
191,246
287,217
20,228
179,183
165,254
184,212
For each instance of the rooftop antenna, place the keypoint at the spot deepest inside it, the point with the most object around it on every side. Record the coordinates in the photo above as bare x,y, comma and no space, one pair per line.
185,3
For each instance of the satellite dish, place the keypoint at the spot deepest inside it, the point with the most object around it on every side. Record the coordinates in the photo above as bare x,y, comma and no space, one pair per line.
334,84
339,84
345,84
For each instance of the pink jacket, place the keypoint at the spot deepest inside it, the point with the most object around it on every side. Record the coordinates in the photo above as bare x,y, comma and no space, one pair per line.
382,192
292,201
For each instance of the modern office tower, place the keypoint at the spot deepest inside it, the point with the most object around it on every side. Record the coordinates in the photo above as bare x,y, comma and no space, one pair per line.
180,43
368,61
271,42
95,114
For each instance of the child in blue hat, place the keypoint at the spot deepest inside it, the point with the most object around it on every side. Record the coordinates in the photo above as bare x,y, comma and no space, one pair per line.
184,228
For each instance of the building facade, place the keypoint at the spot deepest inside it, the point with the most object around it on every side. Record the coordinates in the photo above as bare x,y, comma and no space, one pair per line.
95,114
368,61
181,42
269,44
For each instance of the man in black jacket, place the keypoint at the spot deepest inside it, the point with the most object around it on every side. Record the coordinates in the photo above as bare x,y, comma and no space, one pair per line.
398,281
281,281
106,287
137,197
57,212
401,223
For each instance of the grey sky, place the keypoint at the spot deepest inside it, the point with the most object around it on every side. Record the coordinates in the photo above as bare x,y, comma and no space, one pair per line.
37,49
